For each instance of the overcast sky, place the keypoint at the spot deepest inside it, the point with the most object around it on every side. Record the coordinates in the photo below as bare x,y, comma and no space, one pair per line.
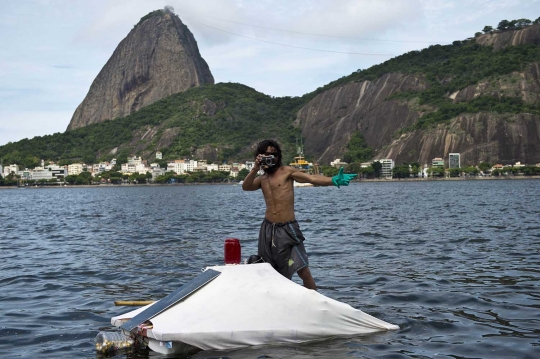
51,50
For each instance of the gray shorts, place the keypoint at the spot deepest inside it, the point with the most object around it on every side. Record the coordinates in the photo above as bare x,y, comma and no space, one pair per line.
282,245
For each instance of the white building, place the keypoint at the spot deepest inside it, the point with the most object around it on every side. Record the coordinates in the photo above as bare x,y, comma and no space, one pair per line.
249,165
75,169
159,155
156,172
99,167
48,172
365,164
337,163
176,167
130,168
224,167
387,166
212,167
127,168
11,168
190,165
134,160
182,166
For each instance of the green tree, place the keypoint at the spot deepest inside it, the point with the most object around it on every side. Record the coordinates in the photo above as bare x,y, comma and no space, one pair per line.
377,169
329,171
401,171
487,29
503,25
83,178
454,172
242,174
520,23
485,166
71,179
415,169
357,149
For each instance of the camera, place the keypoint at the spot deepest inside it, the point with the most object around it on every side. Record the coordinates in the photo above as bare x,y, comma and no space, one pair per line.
268,161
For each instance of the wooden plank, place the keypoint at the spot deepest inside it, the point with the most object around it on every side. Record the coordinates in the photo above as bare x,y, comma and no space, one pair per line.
170,300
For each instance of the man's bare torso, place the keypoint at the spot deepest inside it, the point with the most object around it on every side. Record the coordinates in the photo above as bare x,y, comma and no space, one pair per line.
278,191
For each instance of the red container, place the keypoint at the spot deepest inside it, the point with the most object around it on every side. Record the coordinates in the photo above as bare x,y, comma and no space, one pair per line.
233,252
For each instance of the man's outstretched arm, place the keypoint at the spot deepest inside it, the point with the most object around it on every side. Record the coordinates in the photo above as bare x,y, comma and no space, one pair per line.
341,179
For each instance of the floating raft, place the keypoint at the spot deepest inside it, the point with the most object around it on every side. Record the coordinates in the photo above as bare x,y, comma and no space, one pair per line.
229,307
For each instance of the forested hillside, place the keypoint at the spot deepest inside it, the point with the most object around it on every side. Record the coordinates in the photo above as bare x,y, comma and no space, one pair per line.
218,122
464,97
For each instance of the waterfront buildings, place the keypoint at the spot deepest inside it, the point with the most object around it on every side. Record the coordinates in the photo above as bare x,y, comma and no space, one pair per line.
387,166
225,168
47,173
337,163
9,169
75,169
437,162
454,160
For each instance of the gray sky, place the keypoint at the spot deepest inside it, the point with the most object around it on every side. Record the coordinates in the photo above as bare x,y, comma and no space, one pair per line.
51,50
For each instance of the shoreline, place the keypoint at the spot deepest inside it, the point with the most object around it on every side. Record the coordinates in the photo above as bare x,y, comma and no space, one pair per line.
488,178
120,185
379,180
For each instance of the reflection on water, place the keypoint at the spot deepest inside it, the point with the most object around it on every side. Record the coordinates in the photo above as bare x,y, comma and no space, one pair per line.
454,264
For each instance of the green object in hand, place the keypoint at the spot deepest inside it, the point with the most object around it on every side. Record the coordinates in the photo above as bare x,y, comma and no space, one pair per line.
342,179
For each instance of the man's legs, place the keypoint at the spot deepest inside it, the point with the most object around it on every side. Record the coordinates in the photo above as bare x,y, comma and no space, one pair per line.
307,278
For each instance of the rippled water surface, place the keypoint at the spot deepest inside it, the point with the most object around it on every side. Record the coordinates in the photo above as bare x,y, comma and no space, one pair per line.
455,264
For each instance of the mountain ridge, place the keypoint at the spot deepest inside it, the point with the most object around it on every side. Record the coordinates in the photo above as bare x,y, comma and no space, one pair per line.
159,57
467,97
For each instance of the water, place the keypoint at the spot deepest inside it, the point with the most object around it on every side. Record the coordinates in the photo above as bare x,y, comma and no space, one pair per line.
454,263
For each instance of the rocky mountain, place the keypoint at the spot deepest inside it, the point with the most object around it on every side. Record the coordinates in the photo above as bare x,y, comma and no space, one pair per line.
469,79
479,97
159,57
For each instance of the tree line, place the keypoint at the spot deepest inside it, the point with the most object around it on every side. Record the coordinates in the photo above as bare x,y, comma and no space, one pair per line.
511,25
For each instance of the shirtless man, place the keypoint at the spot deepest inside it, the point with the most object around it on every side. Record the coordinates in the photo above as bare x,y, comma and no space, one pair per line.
280,239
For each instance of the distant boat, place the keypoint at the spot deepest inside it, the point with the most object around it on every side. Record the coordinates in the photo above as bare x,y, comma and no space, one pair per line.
301,164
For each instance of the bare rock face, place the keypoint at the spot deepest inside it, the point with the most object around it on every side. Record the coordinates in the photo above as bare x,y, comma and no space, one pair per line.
159,57
482,137
500,40
329,119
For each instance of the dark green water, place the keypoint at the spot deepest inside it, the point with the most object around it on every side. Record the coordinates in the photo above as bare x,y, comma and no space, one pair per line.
455,264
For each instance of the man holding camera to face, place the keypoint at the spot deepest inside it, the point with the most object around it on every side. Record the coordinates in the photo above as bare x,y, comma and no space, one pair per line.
280,239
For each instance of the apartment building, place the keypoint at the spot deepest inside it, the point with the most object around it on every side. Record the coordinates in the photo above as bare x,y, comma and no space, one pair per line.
437,162
454,160
75,169
387,167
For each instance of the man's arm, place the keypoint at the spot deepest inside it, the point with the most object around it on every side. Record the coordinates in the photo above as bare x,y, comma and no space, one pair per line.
317,180
252,182
340,179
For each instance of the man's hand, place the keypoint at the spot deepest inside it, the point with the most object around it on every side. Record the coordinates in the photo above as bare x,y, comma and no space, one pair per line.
342,179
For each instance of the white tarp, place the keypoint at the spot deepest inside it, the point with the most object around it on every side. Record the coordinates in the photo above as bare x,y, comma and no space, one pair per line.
255,305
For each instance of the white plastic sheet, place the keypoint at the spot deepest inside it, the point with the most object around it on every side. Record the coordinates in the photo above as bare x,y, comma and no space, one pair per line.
254,305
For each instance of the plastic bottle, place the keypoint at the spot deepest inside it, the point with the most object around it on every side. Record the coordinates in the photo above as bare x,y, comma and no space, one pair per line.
110,341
